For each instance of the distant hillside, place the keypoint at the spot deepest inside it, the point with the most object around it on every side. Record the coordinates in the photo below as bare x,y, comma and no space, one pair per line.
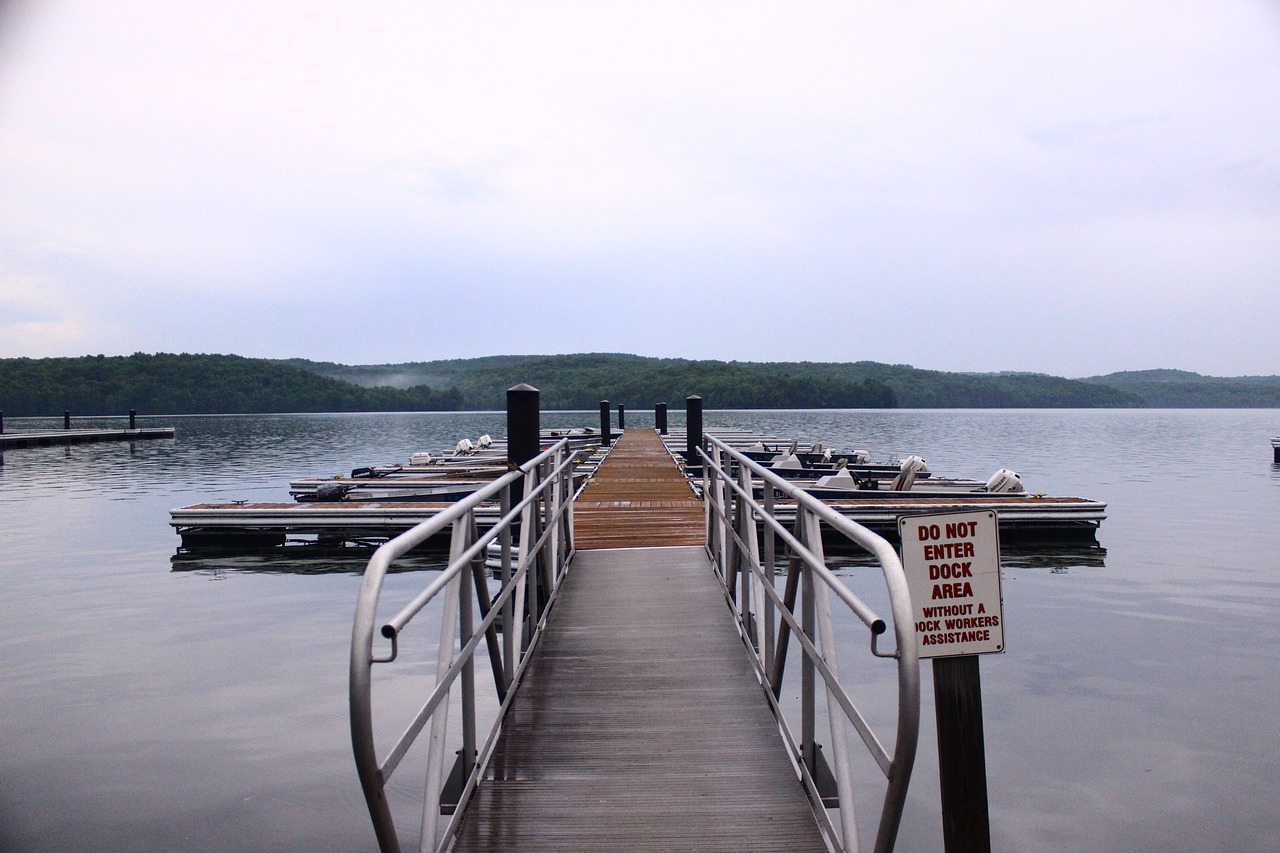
191,384
185,384
581,381
1180,389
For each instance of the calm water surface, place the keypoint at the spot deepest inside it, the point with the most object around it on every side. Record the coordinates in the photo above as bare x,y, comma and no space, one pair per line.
153,703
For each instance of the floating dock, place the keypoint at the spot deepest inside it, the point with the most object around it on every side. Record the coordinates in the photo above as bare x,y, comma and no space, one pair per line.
640,723
384,501
43,438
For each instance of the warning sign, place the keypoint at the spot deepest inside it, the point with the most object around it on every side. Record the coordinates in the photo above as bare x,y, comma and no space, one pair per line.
952,563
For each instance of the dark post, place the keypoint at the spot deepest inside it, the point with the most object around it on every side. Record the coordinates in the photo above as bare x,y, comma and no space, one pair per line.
133,419
606,428
66,419
524,426
693,432
962,763
622,417
660,418
1,422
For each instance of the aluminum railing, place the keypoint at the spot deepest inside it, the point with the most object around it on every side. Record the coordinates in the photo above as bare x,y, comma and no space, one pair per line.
530,578
742,533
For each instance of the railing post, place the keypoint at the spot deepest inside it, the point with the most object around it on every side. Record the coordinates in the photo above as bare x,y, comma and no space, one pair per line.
753,595
466,627
133,419
440,720
770,618
835,715
508,606
1,422
523,424
660,418
606,424
808,696
622,417
693,433
66,419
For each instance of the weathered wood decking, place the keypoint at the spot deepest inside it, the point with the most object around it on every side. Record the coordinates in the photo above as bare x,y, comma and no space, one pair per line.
640,725
638,498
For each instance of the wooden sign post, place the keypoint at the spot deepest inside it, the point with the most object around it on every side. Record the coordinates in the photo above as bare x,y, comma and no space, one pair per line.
952,562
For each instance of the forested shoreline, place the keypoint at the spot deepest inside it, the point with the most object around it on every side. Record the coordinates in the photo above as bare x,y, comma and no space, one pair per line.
165,383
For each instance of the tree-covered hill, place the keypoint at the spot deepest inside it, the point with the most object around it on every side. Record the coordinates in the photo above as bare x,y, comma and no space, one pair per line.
192,384
581,381
1181,389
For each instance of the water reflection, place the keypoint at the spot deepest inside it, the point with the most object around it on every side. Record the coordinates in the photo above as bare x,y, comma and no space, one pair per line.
302,560
1058,558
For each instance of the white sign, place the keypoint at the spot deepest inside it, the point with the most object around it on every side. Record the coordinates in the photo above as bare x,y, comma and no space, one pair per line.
952,563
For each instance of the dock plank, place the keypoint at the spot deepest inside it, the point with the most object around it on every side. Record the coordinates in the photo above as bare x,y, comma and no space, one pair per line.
638,498
640,725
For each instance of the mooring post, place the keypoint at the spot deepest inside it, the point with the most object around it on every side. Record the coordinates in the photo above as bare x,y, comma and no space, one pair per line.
606,429
133,419
622,417
524,427
1,421
660,418
962,763
66,419
693,433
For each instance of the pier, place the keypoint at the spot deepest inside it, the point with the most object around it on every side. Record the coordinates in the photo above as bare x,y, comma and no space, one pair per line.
640,724
67,435
45,438
638,649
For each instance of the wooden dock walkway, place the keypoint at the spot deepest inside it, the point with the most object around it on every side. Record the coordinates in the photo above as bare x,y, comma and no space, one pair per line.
640,724
45,438
637,498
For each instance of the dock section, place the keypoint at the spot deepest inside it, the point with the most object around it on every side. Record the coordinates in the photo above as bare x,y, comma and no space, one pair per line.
640,724
45,438
637,498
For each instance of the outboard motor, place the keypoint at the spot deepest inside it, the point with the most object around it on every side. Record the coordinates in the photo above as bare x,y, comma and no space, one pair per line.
911,466
789,461
331,492
484,441
859,457
1005,480
463,447
420,458
841,479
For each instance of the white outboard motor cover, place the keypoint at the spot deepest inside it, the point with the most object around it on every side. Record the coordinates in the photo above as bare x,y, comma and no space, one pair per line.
786,460
842,479
421,458
910,467
1005,480
463,447
484,441
859,457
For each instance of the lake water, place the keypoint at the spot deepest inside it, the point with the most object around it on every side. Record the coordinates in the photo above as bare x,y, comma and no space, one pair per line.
151,703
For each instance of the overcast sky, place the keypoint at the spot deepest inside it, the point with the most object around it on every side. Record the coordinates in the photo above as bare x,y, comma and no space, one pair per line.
1068,187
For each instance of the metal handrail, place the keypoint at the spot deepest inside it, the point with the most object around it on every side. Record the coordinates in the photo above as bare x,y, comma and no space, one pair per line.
741,537
529,586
